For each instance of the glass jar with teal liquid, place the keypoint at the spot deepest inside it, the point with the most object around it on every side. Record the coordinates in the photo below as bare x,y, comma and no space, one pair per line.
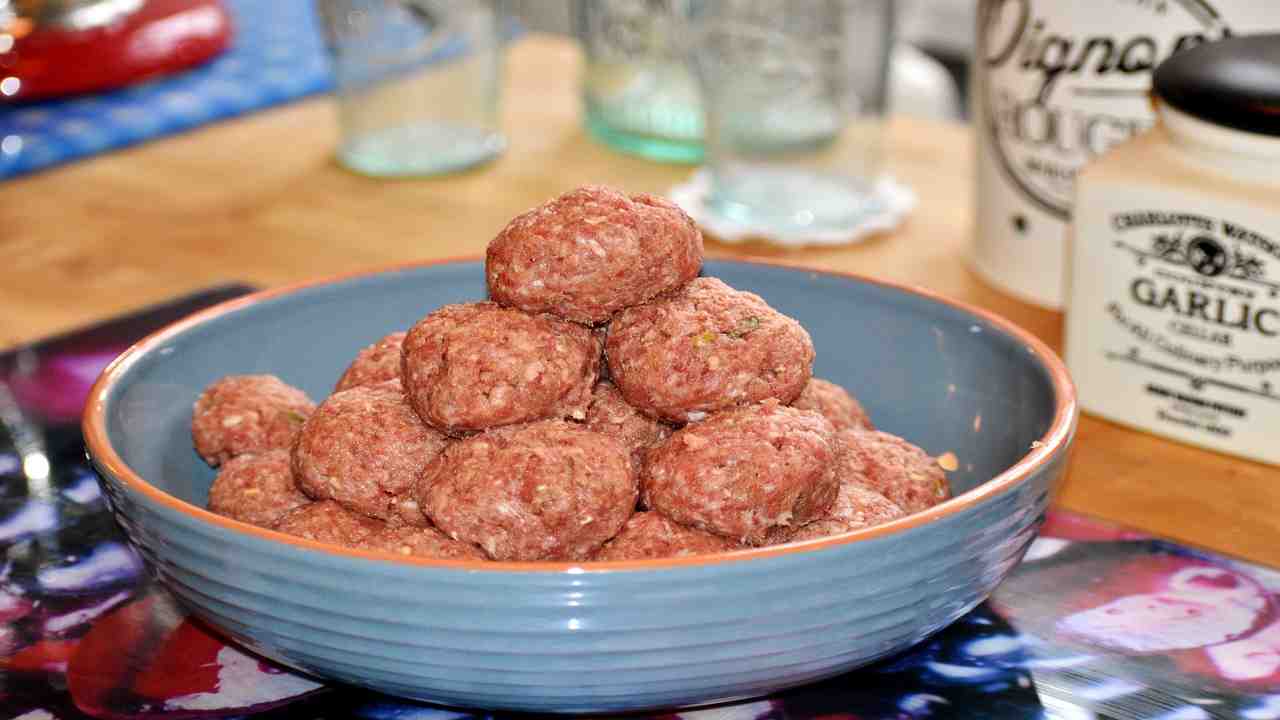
639,95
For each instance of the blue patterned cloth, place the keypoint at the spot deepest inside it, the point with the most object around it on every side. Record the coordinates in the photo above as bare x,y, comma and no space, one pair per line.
277,55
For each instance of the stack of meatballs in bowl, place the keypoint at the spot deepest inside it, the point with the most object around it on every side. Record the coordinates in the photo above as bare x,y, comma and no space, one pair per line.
612,484
487,431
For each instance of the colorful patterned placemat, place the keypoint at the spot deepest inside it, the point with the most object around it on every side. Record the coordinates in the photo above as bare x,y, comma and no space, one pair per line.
276,55
1097,623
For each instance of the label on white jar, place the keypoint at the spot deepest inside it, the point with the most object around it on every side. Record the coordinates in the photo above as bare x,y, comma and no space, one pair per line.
1056,84
1175,317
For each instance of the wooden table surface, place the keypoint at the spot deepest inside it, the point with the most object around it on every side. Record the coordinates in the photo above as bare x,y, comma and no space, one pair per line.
259,199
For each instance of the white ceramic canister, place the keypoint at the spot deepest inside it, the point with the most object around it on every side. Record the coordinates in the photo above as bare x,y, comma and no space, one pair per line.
1173,323
1055,84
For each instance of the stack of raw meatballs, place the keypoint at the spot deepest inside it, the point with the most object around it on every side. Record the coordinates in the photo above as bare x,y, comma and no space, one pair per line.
606,403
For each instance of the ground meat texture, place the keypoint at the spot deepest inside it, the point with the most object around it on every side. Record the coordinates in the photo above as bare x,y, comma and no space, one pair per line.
592,252
897,469
426,542
550,490
706,348
375,364
752,474
242,414
365,448
610,414
650,535
328,522
835,404
256,489
857,506
476,366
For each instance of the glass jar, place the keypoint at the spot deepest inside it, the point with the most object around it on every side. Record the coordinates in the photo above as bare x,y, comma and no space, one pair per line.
637,91
794,96
417,82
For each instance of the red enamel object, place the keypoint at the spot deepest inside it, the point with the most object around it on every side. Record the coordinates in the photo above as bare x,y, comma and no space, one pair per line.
160,37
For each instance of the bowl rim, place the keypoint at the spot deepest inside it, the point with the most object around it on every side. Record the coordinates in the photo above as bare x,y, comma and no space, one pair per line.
1054,441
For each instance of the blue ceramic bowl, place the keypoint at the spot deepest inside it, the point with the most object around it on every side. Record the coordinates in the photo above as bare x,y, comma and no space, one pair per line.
595,636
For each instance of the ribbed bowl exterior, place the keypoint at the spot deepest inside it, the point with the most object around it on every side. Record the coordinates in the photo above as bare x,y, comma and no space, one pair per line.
595,638
588,641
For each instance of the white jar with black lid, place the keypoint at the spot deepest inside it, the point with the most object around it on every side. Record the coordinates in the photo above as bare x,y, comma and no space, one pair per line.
1173,318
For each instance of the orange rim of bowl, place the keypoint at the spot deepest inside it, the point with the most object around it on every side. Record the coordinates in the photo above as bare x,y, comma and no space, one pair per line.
1050,444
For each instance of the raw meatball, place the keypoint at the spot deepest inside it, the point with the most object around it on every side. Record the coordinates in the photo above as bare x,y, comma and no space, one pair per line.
256,489
610,414
857,506
706,348
752,474
365,448
550,490
328,522
425,542
476,366
897,469
835,404
591,252
242,414
377,363
650,535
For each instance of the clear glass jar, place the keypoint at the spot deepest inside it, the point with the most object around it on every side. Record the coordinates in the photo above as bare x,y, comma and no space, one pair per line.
418,83
637,91
794,99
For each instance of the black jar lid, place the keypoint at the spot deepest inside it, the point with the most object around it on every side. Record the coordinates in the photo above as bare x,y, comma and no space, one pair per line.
1233,82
